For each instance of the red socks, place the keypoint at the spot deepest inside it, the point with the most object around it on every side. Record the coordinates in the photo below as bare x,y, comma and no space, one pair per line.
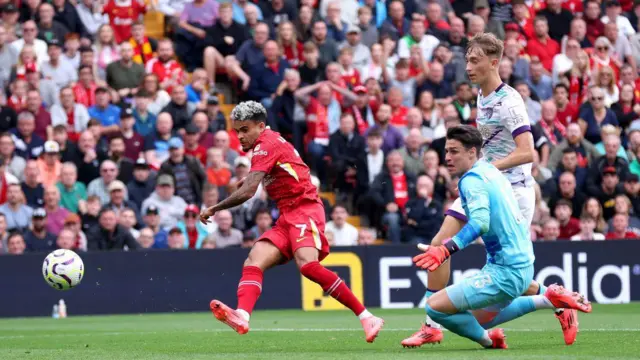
332,285
249,288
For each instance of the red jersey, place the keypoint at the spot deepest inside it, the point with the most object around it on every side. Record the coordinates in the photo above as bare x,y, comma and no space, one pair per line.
627,235
399,116
169,70
545,51
575,6
400,189
295,58
568,115
199,153
287,179
122,14
85,96
317,122
572,228
351,77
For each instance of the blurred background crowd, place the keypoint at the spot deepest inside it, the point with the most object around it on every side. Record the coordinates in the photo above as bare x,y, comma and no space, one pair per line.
114,128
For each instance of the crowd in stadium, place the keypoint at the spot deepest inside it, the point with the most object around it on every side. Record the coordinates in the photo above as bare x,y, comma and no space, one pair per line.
116,138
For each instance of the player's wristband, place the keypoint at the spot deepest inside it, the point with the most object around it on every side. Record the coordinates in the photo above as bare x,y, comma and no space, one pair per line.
451,246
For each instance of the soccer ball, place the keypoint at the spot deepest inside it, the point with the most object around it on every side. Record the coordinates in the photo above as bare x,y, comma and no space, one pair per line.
63,269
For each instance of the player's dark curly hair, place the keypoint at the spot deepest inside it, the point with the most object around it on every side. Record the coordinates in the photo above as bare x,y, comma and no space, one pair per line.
469,136
249,110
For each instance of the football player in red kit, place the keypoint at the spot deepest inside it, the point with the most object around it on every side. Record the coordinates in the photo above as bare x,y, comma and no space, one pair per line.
299,231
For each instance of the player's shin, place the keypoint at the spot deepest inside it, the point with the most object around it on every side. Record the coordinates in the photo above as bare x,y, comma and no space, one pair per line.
517,308
334,286
249,289
463,324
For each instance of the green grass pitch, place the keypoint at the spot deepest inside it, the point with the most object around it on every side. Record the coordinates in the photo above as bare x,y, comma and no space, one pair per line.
610,332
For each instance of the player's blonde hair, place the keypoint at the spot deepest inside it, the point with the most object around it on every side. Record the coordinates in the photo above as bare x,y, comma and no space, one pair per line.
488,43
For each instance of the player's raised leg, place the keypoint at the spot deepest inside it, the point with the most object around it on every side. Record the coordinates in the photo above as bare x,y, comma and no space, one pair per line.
262,256
307,261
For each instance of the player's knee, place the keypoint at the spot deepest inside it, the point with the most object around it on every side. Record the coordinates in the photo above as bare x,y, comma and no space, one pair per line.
434,314
209,51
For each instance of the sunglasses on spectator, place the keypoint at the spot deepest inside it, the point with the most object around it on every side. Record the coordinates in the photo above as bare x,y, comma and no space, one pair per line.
599,98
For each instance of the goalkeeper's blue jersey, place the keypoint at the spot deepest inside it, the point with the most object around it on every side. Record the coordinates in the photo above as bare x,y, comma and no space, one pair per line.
488,200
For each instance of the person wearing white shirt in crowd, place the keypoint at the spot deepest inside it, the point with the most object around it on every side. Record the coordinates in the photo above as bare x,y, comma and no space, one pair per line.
348,10
375,156
417,35
344,234
57,69
90,13
613,11
68,105
587,227
30,31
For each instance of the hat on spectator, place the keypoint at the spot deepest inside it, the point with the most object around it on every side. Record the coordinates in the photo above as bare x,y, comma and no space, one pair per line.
511,27
175,143
192,208
242,160
51,147
635,126
54,42
39,213
609,170
152,209
175,230
213,100
353,29
165,179
10,8
72,219
612,3
126,112
101,89
360,89
191,129
631,178
116,185
480,4
141,163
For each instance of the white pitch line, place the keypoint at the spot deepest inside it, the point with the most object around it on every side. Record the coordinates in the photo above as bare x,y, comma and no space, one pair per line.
118,333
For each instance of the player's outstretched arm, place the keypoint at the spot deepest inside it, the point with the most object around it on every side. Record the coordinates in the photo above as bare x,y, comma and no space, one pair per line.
523,153
244,193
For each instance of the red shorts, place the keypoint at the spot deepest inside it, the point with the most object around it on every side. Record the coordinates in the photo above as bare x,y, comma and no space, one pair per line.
302,227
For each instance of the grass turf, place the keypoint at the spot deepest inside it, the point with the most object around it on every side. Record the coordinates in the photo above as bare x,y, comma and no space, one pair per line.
610,332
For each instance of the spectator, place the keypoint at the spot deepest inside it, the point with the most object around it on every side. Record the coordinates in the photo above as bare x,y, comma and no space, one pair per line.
196,90
396,25
18,99
620,229
125,75
611,131
171,207
122,14
73,223
176,239
165,67
179,108
304,22
29,31
88,158
627,109
193,230
438,144
361,53
344,234
156,144
369,32
551,230
559,19
218,171
595,115
11,27
66,240
49,164
609,159
606,81
210,197
417,36
375,155
118,202
16,244
585,151
144,48
632,191
587,230
391,136
158,97
570,164
614,15
608,190
127,219
347,153
14,164
191,36
327,47
105,51
28,144
548,132
145,238
73,194
100,185
56,68
567,112
192,146
142,184
107,113
187,171
263,222
132,142
438,174
282,117
109,235
366,236
85,89
412,152
201,121
32,189
423,213
534,109
620,47
266,77
227,35
55,214
68,150
225,235
569,225
39,238
542,46
145,121
593,209
540,82
17,215
74,116
152,220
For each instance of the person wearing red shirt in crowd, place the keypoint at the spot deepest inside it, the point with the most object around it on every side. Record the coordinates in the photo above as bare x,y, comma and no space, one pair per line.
290,47
362,110
122,14
350,75
192,146
194,232
18,99
435,23
299,232
399,111
569,226
333,75
165,67
85,89
595,27
620,228
133,142
602,58
43,118
575,6
523,18
201,121
69,113
144,48
542,46
628,76
567,113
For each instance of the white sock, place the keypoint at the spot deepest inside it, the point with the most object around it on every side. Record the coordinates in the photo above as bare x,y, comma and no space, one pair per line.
432,323
244,314
486,340
365,314
541,302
